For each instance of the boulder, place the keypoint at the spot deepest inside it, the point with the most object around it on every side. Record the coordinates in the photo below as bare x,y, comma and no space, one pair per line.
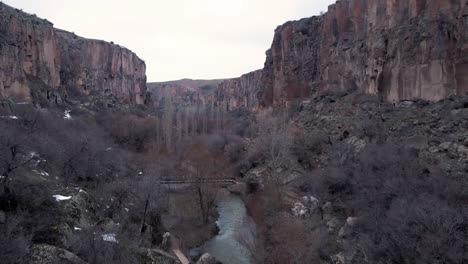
47,254
327,210
333,224
417,142
347,228
207,259
299,209
311,202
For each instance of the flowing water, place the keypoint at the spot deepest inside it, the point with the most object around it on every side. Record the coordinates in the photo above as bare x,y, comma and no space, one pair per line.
235,242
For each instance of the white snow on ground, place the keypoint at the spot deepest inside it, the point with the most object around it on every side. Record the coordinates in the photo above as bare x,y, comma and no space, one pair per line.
67,115
43,173
59,198
77,228
81,191
10,117
109,238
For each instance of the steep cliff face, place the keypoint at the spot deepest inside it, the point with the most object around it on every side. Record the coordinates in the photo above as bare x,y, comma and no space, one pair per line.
28,48
97,67
240,92
230,94
398,49
35,56
185,92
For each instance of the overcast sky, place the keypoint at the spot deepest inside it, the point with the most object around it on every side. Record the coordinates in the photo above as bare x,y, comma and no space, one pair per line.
199,39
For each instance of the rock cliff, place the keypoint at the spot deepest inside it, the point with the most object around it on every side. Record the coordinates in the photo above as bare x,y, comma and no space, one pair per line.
397,49
36,56
185,92
240,92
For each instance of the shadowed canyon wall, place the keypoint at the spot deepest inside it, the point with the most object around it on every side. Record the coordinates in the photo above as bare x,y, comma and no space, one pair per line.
33,54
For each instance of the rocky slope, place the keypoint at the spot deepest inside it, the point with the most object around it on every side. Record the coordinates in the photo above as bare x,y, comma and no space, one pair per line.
36,56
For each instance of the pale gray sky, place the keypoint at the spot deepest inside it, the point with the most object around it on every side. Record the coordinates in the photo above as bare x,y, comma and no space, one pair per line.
199,39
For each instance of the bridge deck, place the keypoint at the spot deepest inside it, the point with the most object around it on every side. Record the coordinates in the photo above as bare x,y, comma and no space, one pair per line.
195,181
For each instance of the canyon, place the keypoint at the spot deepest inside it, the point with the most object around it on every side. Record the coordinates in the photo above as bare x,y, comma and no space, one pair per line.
37,57
363,158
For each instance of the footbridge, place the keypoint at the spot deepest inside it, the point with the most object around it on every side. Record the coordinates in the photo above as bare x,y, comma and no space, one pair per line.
169,181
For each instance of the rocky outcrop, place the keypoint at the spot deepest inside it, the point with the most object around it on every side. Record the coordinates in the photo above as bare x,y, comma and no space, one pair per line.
240,92
28,48
230,94
44,254
400,50
98,67
185,92
34,56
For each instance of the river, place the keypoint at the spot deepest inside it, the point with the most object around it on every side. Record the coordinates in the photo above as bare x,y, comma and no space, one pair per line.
235,242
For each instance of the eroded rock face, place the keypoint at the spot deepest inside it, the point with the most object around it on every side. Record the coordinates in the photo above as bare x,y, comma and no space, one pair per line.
240,92
28,47
95,66
34,55
400,50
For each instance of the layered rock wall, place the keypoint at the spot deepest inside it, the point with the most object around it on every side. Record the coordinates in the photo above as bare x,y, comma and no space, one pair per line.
33,54
398,49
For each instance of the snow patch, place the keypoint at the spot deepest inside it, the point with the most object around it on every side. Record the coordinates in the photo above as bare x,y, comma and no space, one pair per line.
10,117
77,228
109,238
67,115
59,198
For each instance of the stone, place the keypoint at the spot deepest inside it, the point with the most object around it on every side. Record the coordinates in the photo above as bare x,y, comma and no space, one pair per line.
445,146
417,142
206,259
166,241
327,210
45,254
347,228
311,202
2,217
333,224
351,221
359,144
463,150
299,209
